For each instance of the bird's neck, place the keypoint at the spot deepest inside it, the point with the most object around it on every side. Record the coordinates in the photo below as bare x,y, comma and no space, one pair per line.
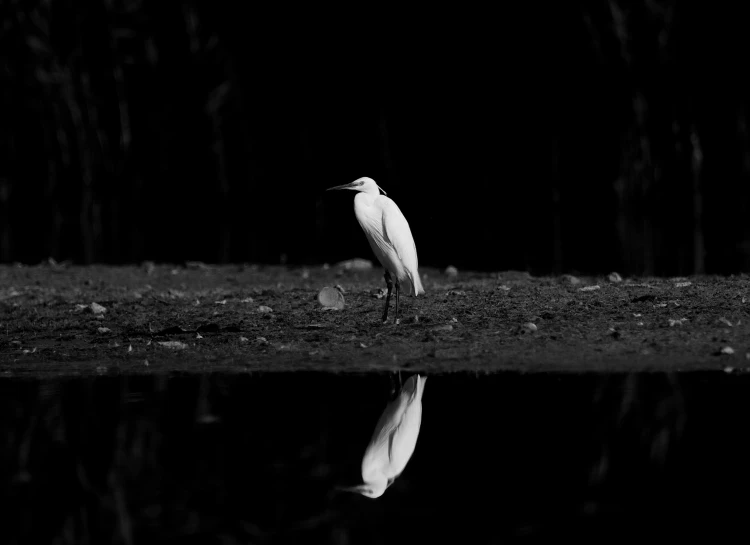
363,201
377,488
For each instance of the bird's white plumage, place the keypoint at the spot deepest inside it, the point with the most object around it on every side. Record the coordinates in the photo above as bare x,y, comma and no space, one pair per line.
390,238
394,439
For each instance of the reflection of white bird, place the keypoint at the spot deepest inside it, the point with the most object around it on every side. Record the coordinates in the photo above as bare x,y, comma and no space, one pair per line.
389,236
394,440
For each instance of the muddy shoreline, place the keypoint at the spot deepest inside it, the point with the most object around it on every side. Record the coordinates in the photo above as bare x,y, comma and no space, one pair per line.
237,319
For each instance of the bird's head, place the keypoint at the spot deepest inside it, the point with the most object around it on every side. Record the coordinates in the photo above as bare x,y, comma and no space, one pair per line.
365,185
369,490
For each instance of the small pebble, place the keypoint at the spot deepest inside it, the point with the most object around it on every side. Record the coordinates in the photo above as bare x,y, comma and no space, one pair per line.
614,277
331,298
264,309
379,293
174,345
451,271
728,350
356,264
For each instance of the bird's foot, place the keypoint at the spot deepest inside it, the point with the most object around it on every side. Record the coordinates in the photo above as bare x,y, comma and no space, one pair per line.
397,321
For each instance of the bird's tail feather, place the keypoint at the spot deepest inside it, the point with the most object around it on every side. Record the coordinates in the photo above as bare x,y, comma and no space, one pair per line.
416,285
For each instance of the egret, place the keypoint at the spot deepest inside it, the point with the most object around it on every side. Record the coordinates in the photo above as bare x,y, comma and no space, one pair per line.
389,236
393,441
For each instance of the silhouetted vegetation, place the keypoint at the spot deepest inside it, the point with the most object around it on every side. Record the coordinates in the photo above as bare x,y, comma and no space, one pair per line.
590,137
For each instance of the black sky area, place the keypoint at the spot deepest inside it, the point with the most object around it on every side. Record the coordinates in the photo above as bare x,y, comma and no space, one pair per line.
584,137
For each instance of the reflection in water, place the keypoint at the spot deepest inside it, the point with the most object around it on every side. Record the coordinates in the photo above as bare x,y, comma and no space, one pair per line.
256,459
393,441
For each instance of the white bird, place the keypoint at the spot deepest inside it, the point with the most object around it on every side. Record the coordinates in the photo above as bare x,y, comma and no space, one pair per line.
389,236
393,441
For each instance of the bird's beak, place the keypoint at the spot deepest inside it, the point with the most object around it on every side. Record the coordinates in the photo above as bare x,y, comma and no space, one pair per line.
345,186
355,489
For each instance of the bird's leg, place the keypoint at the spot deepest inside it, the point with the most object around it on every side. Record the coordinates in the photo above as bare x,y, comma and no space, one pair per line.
398,292
389,284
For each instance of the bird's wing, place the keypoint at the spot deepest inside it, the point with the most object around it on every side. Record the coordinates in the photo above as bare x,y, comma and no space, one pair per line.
395,434
381,447
370,217
388,424
397,233
397,411
405,439
378,454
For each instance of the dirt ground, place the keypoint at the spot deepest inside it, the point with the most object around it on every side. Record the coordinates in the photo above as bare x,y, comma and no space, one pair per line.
198,318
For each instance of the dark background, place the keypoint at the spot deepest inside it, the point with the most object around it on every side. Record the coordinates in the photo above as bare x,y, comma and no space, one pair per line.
228,459
559,137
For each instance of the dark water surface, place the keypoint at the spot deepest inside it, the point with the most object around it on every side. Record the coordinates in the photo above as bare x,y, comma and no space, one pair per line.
256,459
